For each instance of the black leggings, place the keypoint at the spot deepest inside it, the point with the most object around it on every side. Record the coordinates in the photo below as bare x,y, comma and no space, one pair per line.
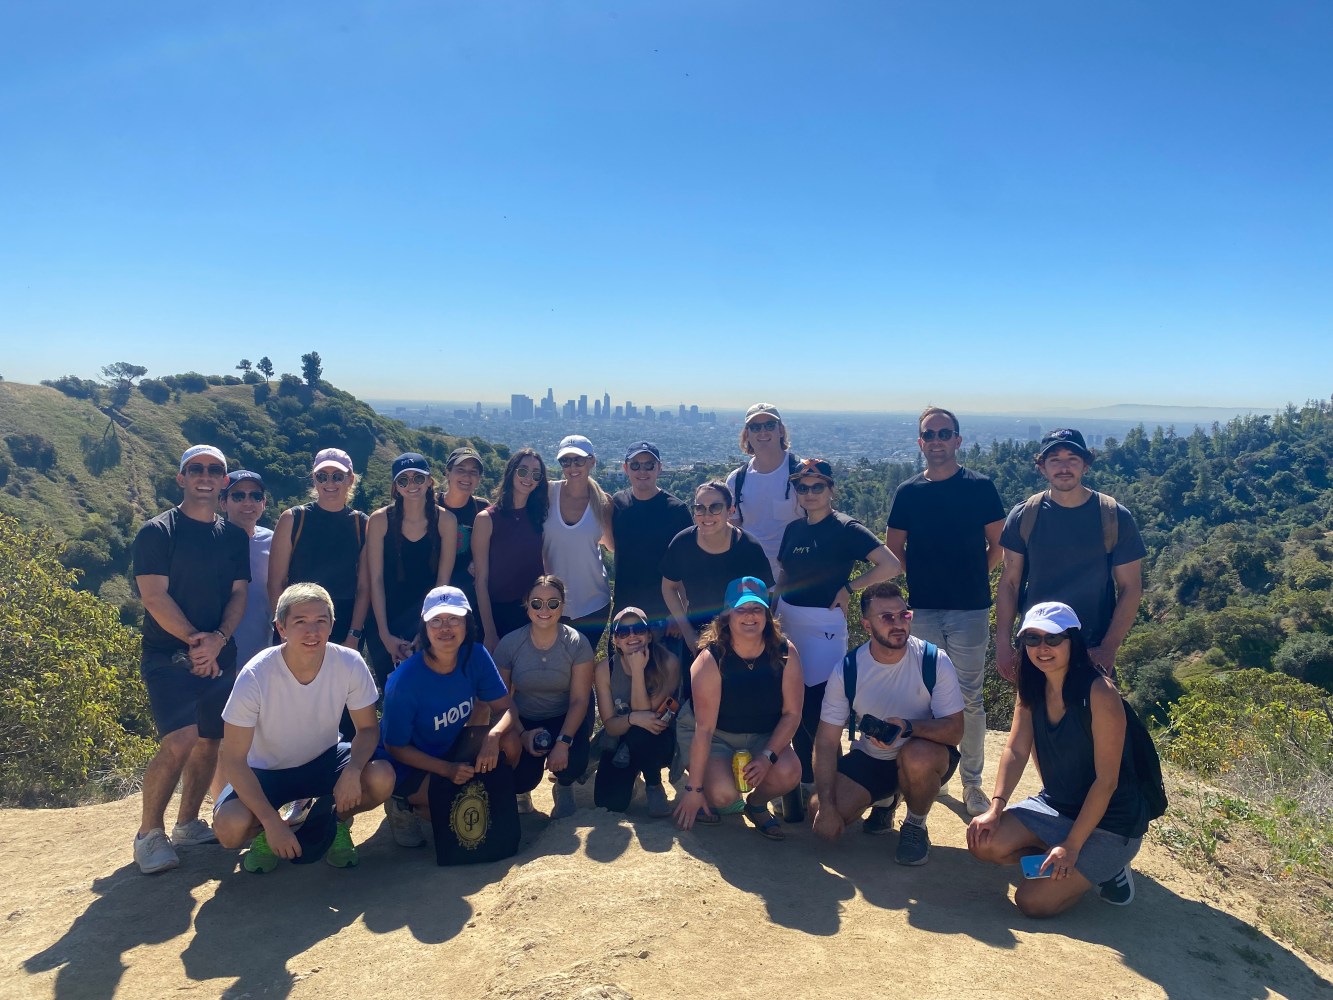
528,773
803,741
648,754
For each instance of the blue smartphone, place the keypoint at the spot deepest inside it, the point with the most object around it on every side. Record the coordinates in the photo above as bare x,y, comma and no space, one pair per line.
1032,866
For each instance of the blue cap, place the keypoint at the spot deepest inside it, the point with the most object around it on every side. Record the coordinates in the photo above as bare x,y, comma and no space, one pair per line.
244,476
746,590
410,461
640,447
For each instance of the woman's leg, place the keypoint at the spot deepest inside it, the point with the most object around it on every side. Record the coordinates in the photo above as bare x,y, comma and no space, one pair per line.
614,786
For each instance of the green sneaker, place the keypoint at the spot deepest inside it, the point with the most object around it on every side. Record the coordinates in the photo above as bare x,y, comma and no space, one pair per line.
260,858
342,853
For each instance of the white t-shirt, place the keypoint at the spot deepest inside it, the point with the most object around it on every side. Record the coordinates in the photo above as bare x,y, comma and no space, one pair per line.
892,691
293,722
767,506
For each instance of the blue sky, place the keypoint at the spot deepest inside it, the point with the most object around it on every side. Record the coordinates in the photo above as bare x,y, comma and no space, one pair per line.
843,205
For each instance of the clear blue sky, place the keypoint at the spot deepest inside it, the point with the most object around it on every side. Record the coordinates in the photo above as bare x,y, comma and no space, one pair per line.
862,205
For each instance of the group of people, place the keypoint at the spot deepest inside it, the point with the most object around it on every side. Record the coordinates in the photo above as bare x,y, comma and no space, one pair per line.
727,662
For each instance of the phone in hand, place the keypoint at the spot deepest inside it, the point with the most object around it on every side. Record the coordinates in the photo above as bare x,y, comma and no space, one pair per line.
1032,866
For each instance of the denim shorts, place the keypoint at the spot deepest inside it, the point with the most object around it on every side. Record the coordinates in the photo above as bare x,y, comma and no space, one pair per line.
1104,853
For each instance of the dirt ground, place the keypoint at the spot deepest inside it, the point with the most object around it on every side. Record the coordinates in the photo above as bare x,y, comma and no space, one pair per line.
607,906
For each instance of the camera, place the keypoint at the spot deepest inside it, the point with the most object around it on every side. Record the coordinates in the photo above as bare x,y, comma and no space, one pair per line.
885,732
542,740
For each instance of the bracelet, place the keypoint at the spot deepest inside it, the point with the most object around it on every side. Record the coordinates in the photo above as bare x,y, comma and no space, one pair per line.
689,789
1002,798
221,635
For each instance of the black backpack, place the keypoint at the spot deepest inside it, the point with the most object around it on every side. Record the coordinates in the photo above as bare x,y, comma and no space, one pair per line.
792,463
1142,751
928,658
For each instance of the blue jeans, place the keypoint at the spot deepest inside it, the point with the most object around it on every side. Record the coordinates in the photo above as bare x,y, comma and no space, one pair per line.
964,635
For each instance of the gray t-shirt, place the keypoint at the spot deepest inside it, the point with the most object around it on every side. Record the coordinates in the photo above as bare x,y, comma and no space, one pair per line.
540,678
1066,560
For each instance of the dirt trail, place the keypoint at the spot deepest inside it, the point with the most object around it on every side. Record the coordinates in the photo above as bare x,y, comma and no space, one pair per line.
600,906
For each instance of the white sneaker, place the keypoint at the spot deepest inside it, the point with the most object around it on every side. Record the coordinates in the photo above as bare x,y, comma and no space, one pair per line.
525,802
404,823
975,800
153,852
194,832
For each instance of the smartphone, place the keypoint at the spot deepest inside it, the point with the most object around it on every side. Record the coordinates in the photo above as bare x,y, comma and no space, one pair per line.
668,710
1032,866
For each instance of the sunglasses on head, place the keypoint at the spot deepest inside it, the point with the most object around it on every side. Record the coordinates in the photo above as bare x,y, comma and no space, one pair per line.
647,465
523,472
256,495
762,425
411,479
1034,639
578,461
324,477
623,631
945,435
194,469
804,488
701,509
551,603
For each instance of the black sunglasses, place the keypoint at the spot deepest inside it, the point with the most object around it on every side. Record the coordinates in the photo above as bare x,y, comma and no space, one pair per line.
638,628
1035,639
945,435
256,495
647,465
324,477
205,470
551,602
762,425
804,488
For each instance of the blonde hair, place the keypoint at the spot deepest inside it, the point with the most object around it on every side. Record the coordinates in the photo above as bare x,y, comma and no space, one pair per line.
300,593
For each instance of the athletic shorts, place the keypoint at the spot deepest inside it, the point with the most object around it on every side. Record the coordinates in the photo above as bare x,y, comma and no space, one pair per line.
880,777
1103,854
179,698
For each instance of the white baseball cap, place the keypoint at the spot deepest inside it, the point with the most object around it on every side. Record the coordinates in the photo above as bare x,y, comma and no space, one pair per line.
445,601
1050,617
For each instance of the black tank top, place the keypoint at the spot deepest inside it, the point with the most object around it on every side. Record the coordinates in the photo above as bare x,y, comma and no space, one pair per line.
328,549
404,592
751,693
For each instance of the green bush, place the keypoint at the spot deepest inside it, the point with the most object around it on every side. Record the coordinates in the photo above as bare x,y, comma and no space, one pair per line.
1307,657
73,711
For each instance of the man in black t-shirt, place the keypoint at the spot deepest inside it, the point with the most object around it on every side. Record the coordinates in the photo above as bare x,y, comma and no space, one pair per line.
192,569
644,519
944,526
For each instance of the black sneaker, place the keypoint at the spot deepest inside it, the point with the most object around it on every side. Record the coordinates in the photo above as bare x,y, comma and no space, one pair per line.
913,845
1118,890
880,819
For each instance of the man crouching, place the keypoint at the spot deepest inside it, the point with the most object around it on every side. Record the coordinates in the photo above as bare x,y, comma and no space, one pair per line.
281,744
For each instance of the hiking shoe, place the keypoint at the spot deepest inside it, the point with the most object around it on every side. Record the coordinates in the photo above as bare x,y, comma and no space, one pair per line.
621,758
194,832
342,853
153,852
260,858
1118,890
975,800
880,819
564,802
404,823
524,802
913,845
658,806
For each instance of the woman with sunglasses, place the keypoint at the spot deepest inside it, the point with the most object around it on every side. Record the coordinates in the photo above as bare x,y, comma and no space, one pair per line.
816,558
633,685
507,545
702,560
321,542
577,526
429,702
747,697
410,549
1088,820
548,669
462,478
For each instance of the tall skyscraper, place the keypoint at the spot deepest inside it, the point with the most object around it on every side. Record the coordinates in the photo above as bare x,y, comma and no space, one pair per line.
583,405
520,407
606,405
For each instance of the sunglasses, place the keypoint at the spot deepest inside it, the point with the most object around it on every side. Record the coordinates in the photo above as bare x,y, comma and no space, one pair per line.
700,509
578,461
324,477
888,617
240,495
815,488
623,631
410,479
1034,639
648,465
205,470
551,603
523,472
762,425
947,434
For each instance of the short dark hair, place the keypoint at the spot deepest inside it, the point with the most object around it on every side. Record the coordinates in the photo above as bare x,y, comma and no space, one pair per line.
720,487
884,590
930,411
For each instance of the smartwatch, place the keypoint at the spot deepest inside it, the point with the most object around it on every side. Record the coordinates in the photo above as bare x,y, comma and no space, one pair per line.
566,740
356,633
772,757
907,729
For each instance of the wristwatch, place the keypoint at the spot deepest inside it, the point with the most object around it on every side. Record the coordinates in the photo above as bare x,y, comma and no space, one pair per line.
907,729
566,740
356,633
772,757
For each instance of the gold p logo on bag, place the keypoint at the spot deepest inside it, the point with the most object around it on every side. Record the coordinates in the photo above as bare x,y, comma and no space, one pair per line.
470,816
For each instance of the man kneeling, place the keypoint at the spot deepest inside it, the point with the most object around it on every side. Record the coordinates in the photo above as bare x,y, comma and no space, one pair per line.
281,743
903,695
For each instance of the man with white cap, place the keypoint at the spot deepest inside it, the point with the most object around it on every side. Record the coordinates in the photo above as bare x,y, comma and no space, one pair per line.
192,569
765,501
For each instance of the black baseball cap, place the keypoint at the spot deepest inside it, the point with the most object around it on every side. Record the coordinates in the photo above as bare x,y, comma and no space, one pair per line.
639,447
1065,437
244,476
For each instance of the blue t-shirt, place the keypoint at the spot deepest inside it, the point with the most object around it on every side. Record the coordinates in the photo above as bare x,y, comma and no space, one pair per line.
428,710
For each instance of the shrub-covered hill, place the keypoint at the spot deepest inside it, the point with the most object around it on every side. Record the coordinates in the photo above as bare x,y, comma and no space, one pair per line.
91,467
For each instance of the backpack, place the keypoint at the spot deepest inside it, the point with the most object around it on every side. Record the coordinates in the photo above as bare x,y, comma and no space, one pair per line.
792,463
929,656
1110,518
298,522
1143,753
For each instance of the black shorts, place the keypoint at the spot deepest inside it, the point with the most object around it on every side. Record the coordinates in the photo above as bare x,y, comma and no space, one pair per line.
179,698
880,777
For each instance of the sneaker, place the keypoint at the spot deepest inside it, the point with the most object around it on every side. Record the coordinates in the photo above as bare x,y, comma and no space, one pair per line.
564,802
880,819
525,802
153,852
913,845
342,854
975,800
192,833
404,823
1118,890
658,806
260,858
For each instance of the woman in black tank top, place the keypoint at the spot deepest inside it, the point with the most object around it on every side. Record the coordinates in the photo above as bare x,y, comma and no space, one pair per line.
1085,825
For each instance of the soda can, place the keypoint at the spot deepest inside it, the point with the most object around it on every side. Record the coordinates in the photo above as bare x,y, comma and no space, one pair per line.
738,762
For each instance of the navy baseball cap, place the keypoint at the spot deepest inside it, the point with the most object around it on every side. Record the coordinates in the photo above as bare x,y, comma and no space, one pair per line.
410,462
244,476
640,447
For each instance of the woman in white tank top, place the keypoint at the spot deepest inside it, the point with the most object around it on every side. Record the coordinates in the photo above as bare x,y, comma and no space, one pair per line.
577,525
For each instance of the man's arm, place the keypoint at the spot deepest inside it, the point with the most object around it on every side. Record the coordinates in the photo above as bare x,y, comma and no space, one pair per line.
347,791
673,593
896,540
994,552
236,769
1006,611
1128,593
947,730
163,607
828,743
